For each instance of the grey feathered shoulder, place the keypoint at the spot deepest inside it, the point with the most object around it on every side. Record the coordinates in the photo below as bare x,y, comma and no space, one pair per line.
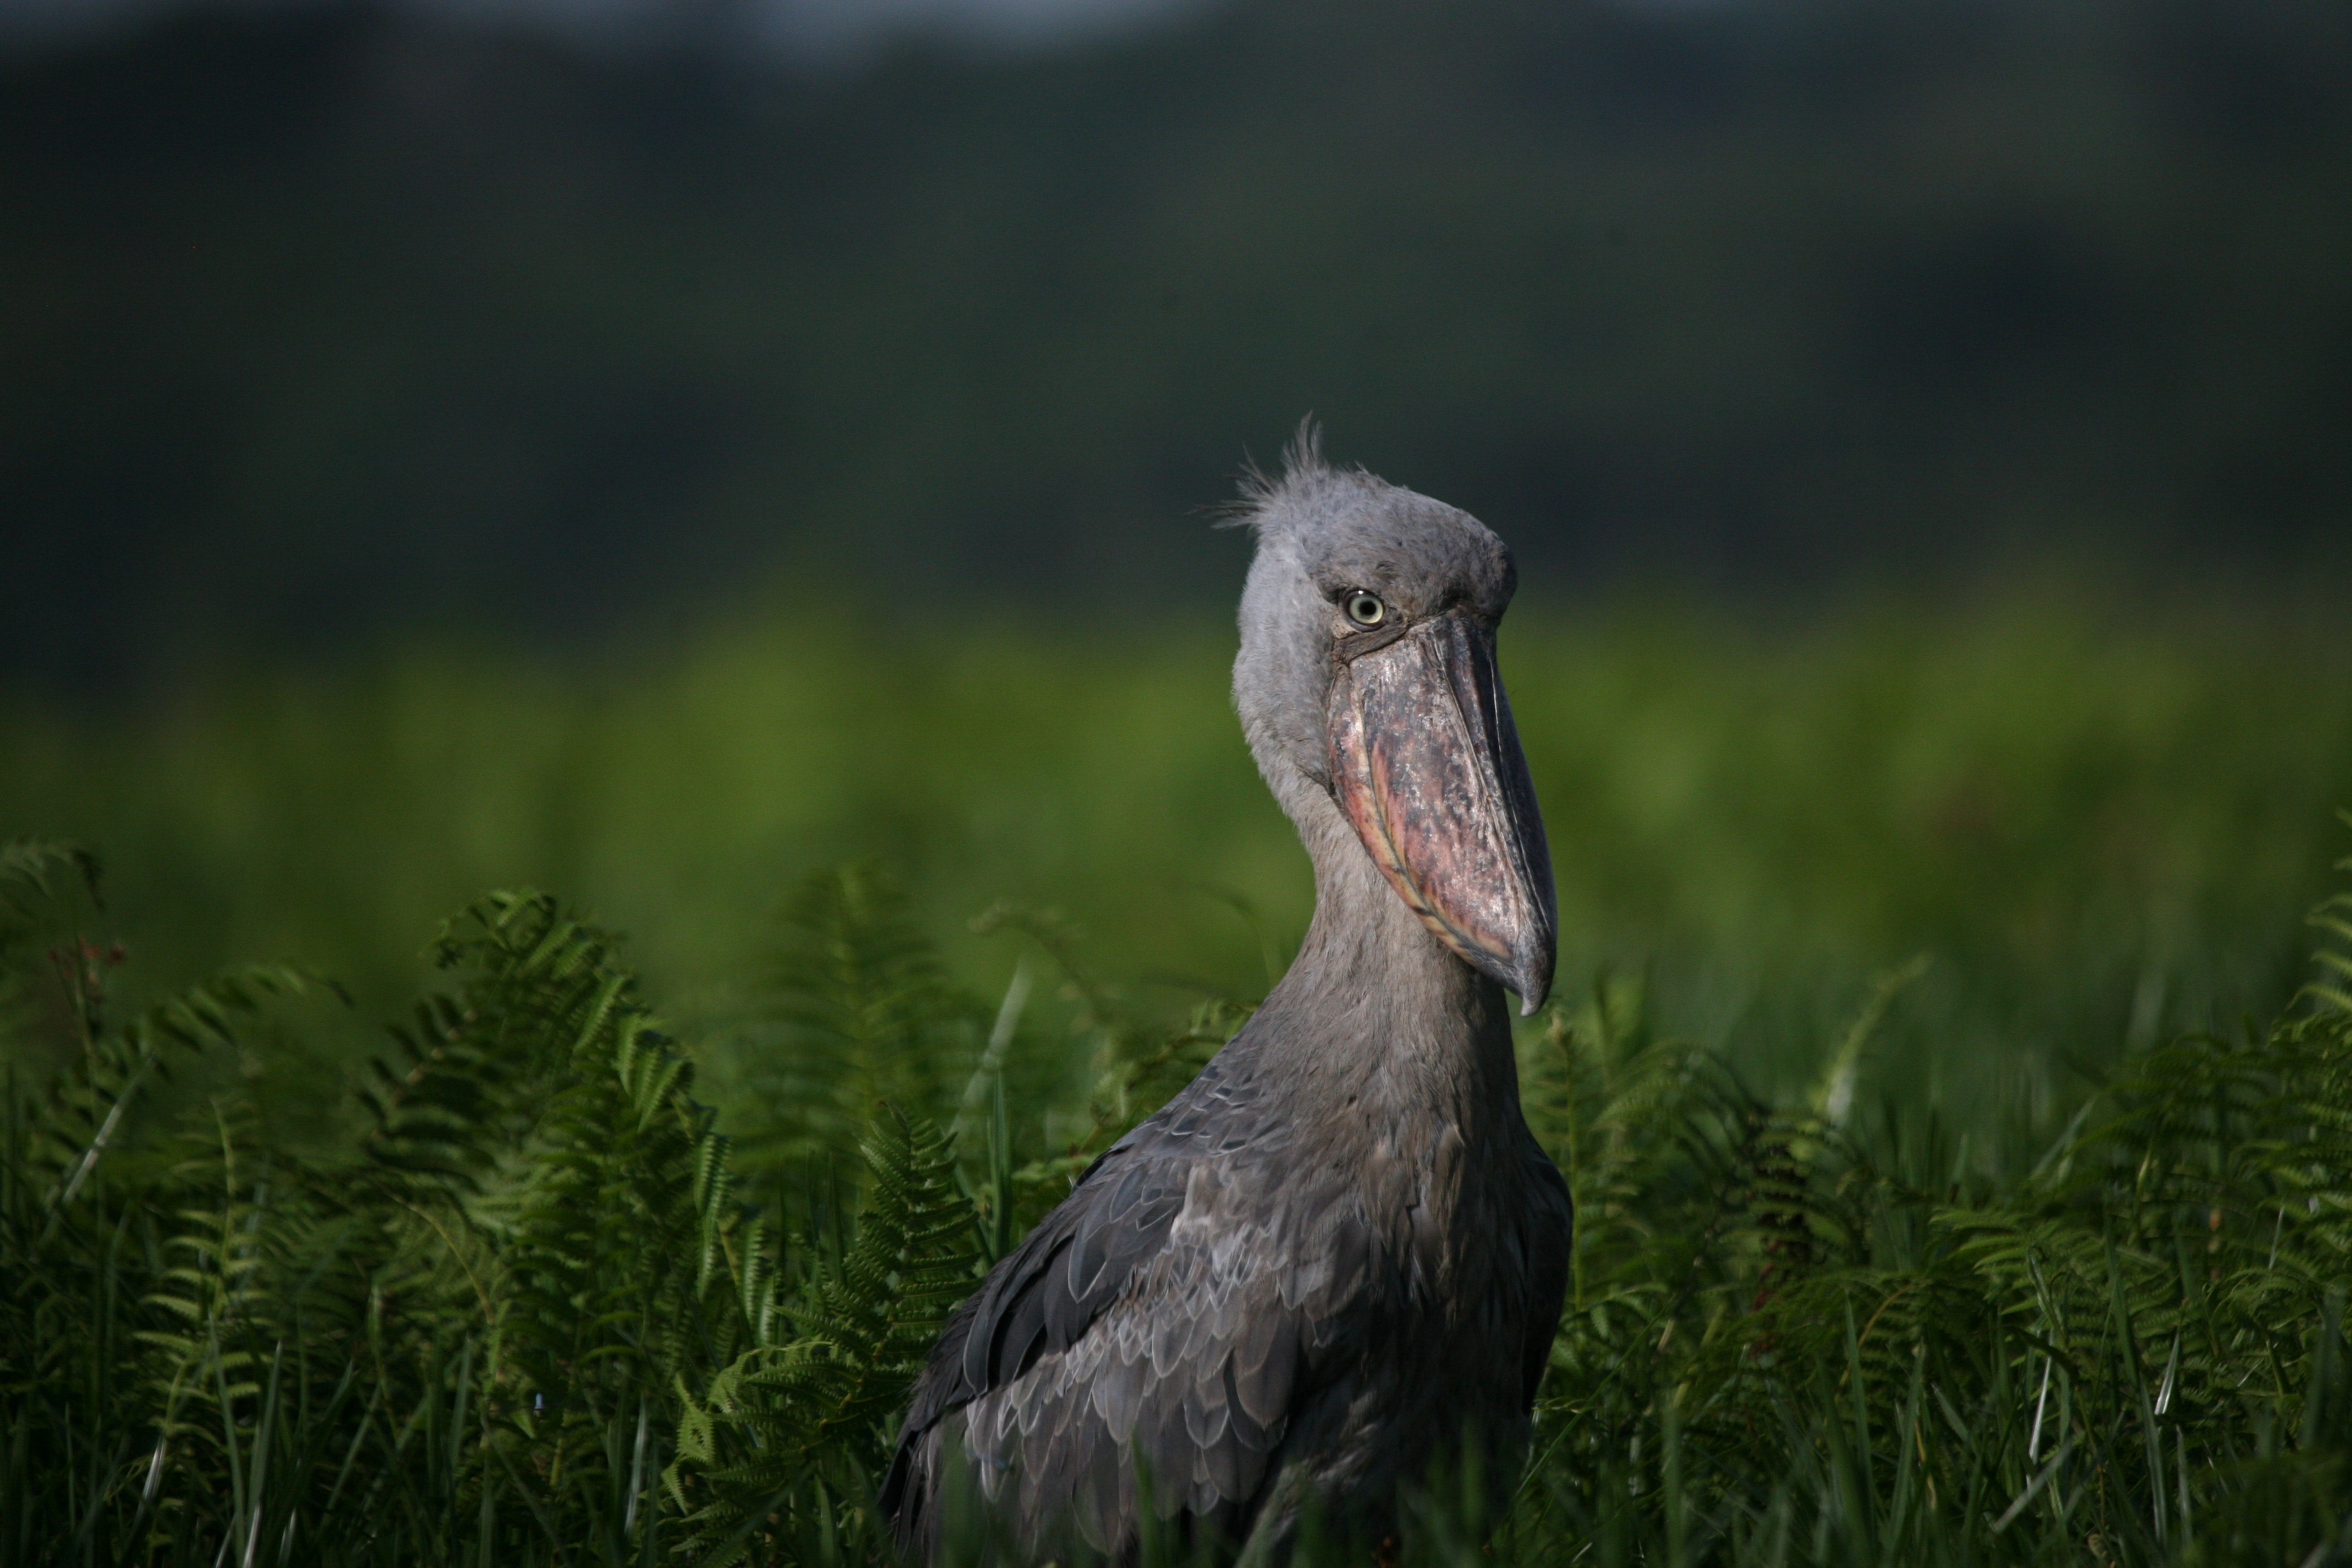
1116,1361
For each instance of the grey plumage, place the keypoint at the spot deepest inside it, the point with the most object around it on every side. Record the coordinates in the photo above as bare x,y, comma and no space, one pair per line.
1338,1251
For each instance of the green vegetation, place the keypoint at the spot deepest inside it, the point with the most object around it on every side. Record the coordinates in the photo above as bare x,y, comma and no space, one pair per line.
1958,1138
2101,825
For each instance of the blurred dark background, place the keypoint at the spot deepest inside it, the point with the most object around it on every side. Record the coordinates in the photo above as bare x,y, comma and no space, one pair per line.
319,325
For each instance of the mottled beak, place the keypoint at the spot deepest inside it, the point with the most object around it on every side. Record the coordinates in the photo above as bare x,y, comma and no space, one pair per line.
1426,764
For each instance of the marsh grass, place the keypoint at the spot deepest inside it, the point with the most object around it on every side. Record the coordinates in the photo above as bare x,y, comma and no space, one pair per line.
1980,1196
536,1313
2103,824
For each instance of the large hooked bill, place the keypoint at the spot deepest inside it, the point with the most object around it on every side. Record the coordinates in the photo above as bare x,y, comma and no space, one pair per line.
1426,764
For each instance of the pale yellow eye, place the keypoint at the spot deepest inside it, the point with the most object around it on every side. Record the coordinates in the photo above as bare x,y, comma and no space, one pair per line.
1366,609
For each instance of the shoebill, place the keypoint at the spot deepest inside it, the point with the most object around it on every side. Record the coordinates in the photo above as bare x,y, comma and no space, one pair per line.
1335,1260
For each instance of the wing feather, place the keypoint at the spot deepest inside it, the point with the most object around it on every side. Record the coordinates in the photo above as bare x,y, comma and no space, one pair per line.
1149,1325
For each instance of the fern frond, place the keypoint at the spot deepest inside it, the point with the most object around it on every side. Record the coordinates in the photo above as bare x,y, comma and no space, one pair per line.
856,1011
860,1333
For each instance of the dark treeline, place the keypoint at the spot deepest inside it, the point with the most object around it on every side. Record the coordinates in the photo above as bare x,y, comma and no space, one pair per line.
317,324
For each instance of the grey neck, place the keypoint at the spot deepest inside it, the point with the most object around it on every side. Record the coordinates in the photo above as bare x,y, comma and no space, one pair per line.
1373,999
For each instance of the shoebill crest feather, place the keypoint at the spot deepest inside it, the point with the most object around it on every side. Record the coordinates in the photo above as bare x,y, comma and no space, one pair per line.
1339,1254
